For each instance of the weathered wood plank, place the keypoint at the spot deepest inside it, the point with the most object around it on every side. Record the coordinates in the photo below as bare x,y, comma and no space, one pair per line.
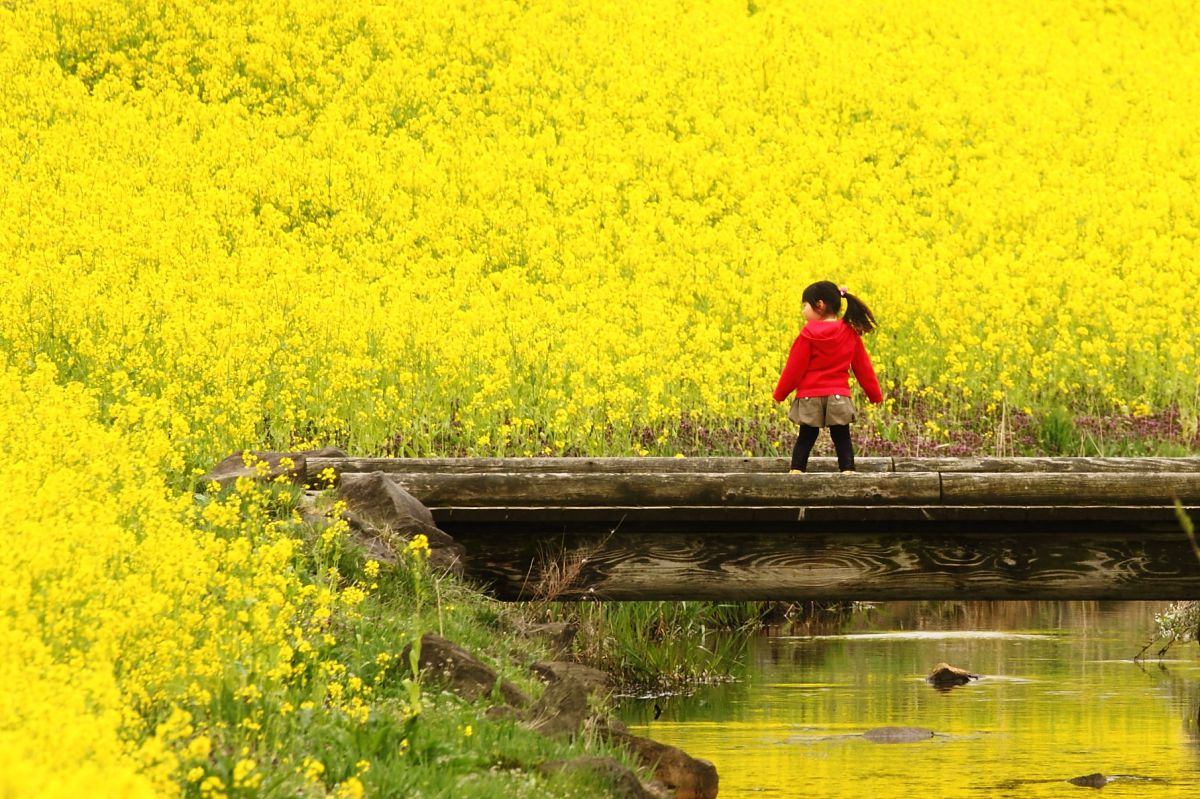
735,465
651,465
781,517
1098,488
1020,562
885,488
1067,464
437,490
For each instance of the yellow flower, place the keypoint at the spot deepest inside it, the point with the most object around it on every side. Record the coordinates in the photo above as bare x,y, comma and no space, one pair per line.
200,747
312,769
523,287
243,776
351,788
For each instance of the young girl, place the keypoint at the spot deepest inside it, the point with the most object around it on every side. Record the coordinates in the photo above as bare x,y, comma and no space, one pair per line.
818,369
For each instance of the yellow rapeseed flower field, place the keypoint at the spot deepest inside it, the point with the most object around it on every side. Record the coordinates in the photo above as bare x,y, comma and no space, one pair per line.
502,227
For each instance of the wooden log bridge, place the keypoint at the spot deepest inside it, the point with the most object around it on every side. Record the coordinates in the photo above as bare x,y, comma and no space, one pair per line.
743,528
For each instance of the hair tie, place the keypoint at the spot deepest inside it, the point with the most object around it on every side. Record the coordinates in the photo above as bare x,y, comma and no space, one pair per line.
842,290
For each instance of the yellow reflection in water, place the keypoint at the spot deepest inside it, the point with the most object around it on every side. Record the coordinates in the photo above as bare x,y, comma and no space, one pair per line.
1049,708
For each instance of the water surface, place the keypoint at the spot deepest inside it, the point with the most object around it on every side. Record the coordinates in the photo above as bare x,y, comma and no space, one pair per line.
1060,697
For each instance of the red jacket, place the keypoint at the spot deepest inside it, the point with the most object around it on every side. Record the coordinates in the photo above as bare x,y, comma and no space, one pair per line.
820,362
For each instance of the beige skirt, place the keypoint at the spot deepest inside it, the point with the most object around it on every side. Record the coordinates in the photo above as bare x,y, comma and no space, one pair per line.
822,411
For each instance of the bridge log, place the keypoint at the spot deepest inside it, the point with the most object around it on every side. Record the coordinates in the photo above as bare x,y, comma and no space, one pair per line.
684,489
647,465
725,465
783,517
1068,464
933,528
1071,488
679,489
1013,562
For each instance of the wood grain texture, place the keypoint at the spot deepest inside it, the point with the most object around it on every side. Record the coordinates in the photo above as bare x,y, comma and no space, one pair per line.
1017,562
1071,488
947,528
1088,465
530,489
784,517
659,465
649,465
679,489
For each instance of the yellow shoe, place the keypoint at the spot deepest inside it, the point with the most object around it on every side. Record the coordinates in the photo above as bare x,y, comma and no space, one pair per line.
795,471
847,471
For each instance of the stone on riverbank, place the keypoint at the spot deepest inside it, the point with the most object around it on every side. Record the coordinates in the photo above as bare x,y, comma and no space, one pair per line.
265,466
688,777
461,672
379,510
561,709
625,784
559,635
552,671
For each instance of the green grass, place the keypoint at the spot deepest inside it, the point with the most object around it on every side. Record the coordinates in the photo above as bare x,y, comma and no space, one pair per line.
357,715
661,646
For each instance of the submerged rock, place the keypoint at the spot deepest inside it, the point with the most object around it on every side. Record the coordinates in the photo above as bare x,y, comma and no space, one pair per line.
1099,780
945,676
898,735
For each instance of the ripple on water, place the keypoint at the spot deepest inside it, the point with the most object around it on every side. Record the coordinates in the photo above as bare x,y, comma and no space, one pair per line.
923,635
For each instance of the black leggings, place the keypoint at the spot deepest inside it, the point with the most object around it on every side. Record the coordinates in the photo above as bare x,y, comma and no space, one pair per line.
840,433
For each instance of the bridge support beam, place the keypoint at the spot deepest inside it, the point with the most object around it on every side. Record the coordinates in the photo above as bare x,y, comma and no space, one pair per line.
876,562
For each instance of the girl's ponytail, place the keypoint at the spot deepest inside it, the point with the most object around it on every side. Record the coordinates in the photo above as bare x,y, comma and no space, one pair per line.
858,315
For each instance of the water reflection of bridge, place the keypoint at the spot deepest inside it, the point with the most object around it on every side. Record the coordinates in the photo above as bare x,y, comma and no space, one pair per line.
742,528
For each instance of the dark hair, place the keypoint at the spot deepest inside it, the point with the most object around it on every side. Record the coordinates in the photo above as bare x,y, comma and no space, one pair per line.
858,315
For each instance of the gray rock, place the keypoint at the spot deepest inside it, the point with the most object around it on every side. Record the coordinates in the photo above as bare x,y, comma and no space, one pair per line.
382,510
463,673
559,635
502,713
898,735
552,671
561,709
378,544
231,468
625,784
384,504
687,776
656,790
289,465
448,559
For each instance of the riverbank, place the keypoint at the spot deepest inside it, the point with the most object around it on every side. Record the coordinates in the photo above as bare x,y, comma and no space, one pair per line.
410,680
411,683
